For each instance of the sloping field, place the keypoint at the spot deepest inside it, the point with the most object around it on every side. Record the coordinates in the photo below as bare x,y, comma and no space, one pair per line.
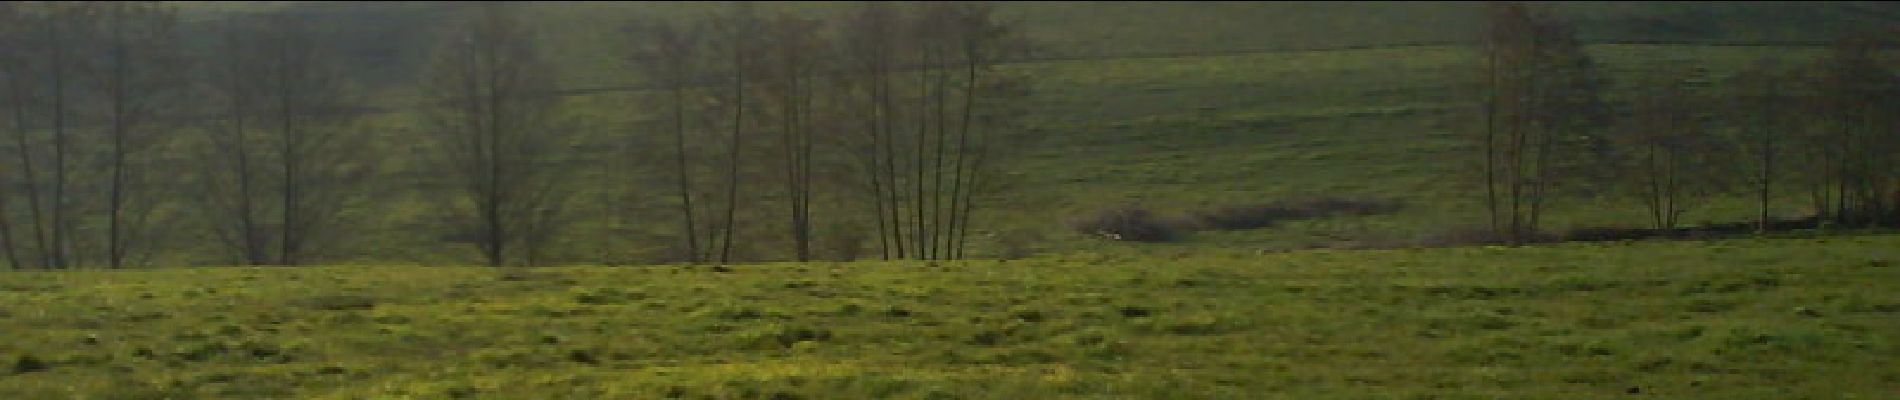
1741,319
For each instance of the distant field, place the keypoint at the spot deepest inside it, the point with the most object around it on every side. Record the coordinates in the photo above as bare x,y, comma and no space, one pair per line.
1171,106
1187,133
1742,319
1175,106
390,39
1176,134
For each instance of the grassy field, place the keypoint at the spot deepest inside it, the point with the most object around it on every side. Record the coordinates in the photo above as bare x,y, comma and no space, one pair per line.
585,36
1175,107
1188,133
1174,134
1742,319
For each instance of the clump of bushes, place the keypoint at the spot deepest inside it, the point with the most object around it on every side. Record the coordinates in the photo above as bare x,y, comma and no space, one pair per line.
1015,244
1127,223
1136,224
607,295
776,336
340,303
28,363
844,241
1478,235
1255,216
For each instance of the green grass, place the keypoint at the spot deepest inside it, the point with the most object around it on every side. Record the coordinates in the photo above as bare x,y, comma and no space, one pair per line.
1174,134
1181,134
1742,319
584,37
1218,315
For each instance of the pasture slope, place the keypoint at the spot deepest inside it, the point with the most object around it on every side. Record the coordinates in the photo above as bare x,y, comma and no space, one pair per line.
1738,319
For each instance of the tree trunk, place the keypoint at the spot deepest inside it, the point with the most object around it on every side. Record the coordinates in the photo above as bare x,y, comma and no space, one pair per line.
16,88
732,173
61,226
679,151
114,244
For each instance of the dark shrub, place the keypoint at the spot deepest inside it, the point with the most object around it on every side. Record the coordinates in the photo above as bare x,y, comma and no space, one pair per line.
1476,236
1015,244
1126,223
340,303
1337,206
844,241
1605,234
1460,236
28,363
1249,216
1265,215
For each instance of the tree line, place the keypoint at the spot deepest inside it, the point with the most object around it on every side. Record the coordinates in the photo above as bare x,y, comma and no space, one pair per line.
128,139
773,135
1817,129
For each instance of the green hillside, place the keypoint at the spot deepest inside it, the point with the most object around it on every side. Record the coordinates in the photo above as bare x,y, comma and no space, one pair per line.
1745,319
1175,106
586,36
1179,111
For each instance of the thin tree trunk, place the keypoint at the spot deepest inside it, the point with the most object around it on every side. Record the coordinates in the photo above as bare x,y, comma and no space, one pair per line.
953,236
1517,180
499,198
60,224
1841,212
732,173
1490,141
787,151
1670,185
883,77
6,236
969,201
936,181
921,235
805,169
876,169
114,244
253,247
1546,149
1767,162
17,90
1654,194
292,138
790,146
679,151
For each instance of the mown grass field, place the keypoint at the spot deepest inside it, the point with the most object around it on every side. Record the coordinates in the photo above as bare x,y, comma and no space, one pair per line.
1211,123
1217,123
1740,319
1173,134
1179,134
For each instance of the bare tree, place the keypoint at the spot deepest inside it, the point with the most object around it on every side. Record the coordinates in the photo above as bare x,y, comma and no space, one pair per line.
497,134
1667,152
1852,152
14,70
142,61
64,27
788,82
43,56
289,157
736,41
979,41
667,55
927,100
869,46
1542,95
233,192
1764,101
